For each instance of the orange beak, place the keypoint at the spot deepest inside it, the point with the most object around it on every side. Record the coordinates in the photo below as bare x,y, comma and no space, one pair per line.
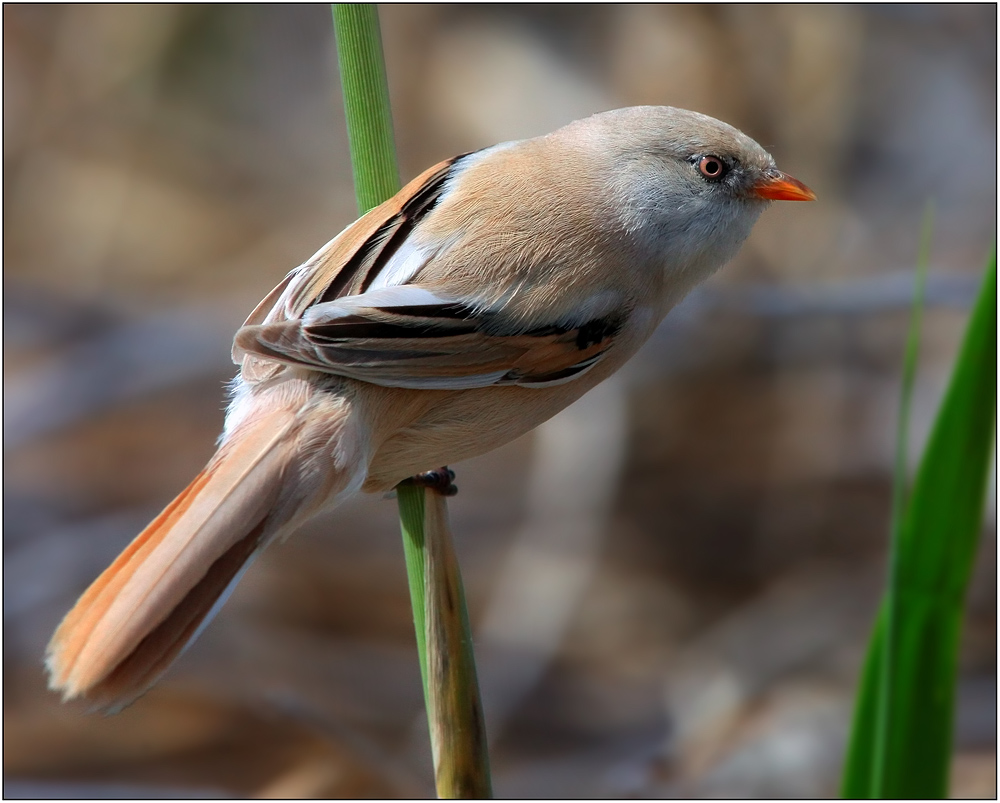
778,186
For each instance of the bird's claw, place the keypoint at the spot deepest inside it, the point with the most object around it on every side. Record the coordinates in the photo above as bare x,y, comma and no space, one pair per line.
440,480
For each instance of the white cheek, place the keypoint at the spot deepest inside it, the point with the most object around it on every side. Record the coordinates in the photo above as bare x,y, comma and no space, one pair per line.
730,231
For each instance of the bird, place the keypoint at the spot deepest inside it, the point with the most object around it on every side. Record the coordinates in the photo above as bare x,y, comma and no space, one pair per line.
492,291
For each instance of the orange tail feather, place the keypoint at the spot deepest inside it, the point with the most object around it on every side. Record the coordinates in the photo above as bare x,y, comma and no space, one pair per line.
157,651
142,611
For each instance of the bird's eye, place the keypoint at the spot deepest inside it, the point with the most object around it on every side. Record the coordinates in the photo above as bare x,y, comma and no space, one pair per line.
712,167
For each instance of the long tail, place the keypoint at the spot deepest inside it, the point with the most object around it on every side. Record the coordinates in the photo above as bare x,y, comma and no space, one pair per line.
138,616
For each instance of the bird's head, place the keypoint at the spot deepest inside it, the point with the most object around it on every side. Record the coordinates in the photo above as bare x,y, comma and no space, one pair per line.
684,185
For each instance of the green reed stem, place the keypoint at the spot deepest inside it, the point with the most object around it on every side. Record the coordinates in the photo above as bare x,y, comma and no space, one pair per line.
444,638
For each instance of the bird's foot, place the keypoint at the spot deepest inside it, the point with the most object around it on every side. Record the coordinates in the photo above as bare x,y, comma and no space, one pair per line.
440,480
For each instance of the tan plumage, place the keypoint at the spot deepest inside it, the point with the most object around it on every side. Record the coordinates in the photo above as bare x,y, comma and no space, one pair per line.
491,292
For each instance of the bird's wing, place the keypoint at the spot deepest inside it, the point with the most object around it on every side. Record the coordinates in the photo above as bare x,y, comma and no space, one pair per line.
407,337
349,263
354,310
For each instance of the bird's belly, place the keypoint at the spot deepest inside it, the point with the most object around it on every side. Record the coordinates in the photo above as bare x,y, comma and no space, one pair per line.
467,423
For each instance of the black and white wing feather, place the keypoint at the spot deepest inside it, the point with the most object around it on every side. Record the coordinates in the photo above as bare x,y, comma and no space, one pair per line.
355,310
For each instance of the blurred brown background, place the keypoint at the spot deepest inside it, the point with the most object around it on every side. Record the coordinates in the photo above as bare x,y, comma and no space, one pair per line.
671,603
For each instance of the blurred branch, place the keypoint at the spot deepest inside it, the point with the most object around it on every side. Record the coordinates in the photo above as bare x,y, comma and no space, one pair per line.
128,361
132,359
887,292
